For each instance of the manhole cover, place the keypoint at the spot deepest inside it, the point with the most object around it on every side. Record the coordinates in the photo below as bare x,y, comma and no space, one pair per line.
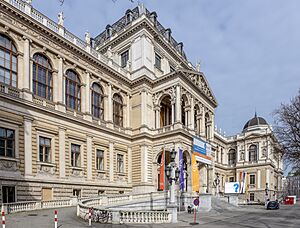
32,214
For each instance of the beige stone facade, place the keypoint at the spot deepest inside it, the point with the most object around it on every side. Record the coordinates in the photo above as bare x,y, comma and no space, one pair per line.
87,118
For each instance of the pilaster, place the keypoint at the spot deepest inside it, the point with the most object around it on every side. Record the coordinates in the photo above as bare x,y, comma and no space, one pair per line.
62,154
28,145
89,156
60,86
27,90
111,162
129,177
178,105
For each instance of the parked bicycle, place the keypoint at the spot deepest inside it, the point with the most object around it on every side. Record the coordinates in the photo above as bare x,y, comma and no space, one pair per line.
102,216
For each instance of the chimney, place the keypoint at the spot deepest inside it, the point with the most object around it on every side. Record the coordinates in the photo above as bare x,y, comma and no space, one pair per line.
180,47
153,17
168,33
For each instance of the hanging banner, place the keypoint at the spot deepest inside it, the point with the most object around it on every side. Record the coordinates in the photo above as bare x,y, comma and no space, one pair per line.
162,172
195,174
202,150
181,168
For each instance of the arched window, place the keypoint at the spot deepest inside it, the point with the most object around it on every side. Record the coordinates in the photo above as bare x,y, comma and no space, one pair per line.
8,62
253,153
73,90
231,157
97,101
42,76
118,110
165,111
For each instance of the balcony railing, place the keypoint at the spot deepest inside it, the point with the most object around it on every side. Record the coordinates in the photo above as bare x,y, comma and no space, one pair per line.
12,91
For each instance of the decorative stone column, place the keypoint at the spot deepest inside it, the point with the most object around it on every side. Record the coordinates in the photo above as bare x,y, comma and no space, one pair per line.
89,156
27,90
109,104
28,145
202,122
143,107
144,163
62,154
157,115
191,116
173,111
87,101
111,162
129,164
258,179
60,87
55,86
127,124
178,105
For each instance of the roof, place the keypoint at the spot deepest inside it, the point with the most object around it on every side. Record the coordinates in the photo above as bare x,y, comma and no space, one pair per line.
255,121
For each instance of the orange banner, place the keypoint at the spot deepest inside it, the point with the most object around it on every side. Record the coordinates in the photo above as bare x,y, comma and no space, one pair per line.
162,172
195,175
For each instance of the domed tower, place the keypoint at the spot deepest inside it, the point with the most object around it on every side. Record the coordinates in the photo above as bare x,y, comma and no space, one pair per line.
256,123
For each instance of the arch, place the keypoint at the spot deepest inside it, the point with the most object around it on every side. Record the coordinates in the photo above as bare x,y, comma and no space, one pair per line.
42,78
72,90
207,124
118,110
196,119
231,157
253,153
97,101
165,111
8,61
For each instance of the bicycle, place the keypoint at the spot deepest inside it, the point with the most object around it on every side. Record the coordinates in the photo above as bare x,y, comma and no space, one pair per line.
101,216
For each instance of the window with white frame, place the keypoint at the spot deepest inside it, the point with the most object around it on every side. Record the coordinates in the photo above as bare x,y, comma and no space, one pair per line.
120,163
75,155
100,159
45,149
7,142
252,179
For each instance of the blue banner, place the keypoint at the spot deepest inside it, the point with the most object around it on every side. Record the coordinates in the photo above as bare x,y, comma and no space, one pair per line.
181,168
199,146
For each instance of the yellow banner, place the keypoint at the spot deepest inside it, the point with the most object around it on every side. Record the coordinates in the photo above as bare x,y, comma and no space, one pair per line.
195,175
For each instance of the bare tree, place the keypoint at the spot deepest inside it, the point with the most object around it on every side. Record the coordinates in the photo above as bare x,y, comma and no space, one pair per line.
287,130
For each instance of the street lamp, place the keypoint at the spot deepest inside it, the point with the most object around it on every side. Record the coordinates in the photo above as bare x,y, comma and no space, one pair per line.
172,173
267,194
216,183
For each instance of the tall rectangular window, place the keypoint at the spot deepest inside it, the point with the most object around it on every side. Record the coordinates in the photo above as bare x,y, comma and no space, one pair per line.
157,63
252,196
120,163
75,155
7,142
8,194
45,149
252,179
124,58
100,160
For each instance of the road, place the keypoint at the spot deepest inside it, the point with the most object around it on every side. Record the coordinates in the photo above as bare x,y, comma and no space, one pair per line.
246,216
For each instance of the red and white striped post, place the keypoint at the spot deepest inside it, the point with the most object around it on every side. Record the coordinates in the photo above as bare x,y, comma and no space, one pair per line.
3,219
55,219
90,216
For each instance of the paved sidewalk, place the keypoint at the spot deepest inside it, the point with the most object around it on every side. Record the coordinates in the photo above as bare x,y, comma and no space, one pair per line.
245,216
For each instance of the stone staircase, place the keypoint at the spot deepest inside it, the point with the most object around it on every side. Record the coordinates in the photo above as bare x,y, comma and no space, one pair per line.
220,204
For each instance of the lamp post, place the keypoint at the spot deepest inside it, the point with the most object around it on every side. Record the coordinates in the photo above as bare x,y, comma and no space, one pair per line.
217,182
172,173
266,194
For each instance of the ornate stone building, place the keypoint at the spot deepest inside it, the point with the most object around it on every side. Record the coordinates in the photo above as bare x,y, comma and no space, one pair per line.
82,118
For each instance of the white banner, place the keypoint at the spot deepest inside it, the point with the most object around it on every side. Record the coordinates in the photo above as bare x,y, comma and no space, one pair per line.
232,187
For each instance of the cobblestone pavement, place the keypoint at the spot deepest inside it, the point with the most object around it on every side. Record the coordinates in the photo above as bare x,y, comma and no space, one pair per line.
246,216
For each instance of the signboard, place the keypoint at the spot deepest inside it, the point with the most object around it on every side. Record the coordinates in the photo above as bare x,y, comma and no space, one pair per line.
199,146
232,187
196,202
201,150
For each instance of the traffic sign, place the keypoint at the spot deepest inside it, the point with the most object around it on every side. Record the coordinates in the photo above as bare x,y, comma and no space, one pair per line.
196,202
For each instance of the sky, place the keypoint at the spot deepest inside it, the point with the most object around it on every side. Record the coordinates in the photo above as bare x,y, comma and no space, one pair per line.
249,50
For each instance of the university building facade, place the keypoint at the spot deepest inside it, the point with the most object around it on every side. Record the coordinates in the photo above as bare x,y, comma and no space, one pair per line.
83,118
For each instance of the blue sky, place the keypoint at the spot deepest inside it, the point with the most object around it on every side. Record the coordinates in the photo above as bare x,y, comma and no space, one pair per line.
249,50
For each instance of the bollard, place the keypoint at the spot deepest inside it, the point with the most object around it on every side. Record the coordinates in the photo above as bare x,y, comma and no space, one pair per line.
55,219
90,217
3,219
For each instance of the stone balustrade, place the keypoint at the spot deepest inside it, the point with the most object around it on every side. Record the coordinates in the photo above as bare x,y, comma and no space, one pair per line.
36,205
145,217
9,90
62,32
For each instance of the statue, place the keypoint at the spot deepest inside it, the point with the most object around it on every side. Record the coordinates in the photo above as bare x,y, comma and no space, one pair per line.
198,66
28,2
61,18
87,37
109,53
